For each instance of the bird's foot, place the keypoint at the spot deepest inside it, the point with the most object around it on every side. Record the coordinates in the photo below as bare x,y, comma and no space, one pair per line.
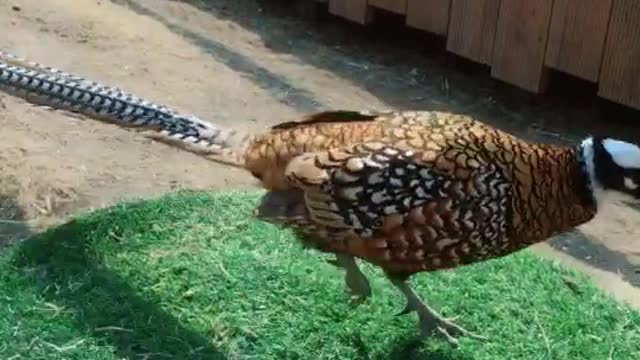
357,283
431,323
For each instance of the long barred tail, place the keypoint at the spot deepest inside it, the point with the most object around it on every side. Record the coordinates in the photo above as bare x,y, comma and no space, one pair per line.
46,86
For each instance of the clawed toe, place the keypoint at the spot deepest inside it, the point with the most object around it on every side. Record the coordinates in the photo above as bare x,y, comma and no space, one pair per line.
431,323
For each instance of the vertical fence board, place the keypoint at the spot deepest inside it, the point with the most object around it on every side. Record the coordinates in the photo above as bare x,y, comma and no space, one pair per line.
472,29
576,37
521,40
596,40
396,6
620,74
354,10
429,15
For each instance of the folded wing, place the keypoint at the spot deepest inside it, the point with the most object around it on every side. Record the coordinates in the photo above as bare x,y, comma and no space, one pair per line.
405,205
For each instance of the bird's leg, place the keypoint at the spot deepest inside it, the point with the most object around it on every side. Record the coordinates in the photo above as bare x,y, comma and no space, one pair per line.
430,321
357,283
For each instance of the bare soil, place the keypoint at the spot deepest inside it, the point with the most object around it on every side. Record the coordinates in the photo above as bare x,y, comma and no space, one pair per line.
251,64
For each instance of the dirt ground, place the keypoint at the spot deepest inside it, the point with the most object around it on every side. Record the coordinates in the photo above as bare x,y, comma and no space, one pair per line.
250,64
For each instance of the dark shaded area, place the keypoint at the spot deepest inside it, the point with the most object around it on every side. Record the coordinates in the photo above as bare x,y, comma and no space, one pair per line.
12,231
12,215
127,319
579,246
9,208
101,300
278,85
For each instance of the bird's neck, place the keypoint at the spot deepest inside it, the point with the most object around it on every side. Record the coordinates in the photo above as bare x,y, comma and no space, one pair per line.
554,195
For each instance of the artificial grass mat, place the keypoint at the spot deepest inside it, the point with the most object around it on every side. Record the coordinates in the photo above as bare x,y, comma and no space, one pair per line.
193,276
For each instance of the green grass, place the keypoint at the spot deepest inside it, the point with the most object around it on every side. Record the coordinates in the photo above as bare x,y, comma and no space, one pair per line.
192,276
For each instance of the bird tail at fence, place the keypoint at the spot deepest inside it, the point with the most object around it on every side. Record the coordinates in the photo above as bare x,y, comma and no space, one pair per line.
56,89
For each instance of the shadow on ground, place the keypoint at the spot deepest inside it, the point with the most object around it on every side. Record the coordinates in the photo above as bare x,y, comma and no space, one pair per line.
69,273
13,227
277,85
12,231
103,303
578,245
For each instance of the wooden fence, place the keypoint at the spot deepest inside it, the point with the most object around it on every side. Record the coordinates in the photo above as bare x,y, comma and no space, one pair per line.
595,40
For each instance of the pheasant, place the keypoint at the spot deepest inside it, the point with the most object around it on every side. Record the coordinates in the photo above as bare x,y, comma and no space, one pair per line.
407,191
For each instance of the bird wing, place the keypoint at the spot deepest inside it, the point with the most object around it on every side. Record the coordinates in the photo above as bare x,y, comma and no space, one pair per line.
407,197
330,116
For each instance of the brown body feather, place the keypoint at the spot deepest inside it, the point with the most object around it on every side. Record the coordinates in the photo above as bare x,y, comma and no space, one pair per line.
416,191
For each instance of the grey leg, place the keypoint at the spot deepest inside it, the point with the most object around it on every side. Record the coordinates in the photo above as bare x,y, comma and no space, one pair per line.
430,321
357,283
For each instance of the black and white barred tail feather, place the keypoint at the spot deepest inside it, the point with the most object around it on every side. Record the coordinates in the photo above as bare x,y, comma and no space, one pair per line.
13,59
56,89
